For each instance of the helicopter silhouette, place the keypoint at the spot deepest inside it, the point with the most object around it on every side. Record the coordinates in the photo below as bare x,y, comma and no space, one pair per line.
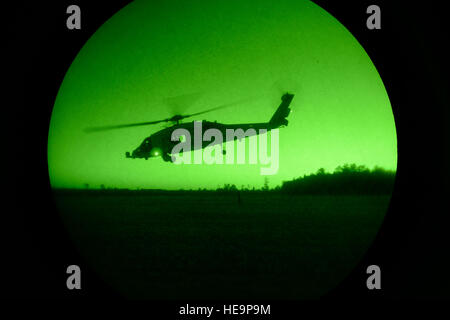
160,144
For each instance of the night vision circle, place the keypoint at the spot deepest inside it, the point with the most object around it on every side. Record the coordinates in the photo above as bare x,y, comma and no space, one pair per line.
285,212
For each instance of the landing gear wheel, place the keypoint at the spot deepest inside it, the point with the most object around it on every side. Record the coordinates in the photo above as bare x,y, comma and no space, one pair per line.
167,157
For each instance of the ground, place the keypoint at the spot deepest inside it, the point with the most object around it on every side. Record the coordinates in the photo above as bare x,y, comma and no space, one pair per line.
213,246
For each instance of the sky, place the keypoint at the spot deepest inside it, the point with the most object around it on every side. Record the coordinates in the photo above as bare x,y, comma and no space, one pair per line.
220,52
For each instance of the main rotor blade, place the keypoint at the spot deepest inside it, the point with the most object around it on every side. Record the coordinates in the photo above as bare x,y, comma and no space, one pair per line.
178,104
120,126
219,107
175,118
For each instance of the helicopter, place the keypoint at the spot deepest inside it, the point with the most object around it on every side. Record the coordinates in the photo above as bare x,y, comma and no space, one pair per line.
160,143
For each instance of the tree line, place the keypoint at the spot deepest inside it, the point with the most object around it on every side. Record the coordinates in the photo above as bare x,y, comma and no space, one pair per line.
346,179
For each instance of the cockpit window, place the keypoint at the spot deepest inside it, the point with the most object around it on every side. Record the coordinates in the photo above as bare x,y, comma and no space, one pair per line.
146,144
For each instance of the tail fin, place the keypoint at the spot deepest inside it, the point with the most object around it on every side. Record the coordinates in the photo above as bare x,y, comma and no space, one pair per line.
279,117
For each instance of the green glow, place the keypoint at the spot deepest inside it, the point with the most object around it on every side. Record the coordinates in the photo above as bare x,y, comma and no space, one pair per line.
228,50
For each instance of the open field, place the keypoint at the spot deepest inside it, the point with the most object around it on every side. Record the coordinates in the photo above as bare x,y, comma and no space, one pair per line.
209,245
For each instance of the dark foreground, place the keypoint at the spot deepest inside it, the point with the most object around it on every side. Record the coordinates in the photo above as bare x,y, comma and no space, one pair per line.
210,246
